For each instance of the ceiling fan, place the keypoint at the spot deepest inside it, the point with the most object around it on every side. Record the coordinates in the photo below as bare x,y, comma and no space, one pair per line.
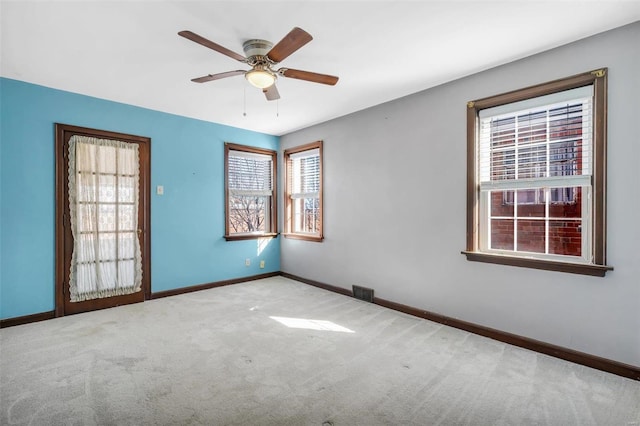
262,56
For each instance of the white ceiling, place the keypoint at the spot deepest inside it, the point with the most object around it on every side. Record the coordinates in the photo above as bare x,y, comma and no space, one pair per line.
129,51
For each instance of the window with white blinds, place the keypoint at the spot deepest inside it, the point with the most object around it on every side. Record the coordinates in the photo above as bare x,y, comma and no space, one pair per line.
534,185
250,182
535,175
303,197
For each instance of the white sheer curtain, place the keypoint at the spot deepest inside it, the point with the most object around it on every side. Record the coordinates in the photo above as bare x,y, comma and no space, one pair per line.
103,202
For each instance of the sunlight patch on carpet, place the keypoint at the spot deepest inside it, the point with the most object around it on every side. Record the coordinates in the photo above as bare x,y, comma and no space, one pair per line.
311,324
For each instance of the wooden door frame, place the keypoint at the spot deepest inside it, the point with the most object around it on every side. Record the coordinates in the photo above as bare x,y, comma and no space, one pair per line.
63,133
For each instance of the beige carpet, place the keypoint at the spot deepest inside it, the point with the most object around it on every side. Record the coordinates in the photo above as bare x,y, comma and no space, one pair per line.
278,352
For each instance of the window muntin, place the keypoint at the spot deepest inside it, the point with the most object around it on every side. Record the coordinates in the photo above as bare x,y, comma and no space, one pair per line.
303,196
250,192
536,176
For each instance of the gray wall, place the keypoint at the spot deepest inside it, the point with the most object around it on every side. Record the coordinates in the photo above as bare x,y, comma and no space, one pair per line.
395,187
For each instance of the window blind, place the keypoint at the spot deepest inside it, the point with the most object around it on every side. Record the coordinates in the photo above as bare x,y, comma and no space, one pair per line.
305,169
250,174
542,141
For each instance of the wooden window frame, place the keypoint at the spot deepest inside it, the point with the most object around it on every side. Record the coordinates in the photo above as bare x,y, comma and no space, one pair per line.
288,204
273,216
598,267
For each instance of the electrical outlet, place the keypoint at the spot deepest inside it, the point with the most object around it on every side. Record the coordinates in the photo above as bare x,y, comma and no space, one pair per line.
160,190
247,262
262,264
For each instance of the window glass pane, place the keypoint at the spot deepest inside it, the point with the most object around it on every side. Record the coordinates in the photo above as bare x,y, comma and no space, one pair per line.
532,162
503,164
532,127
565,202
107,246
503,132
127,161
564,158
126,245
86,184
565,121
106,159
126,217
531,235
126,189
106,217
86,217
502,203
502,142
85,248
306,215
502,234
126,273
108,274
248,213
87,278
85,157
107,188
309,174
565,237
531,202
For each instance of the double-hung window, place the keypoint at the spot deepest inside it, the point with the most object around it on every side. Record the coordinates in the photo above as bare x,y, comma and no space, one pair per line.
303,193
536,176
250,192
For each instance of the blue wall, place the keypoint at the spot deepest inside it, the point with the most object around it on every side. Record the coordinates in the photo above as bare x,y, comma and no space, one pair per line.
187,222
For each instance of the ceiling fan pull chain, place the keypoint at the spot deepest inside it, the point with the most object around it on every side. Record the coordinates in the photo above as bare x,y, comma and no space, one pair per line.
277,108
244,106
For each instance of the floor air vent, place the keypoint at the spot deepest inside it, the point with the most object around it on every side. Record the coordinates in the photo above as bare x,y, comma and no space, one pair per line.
363,293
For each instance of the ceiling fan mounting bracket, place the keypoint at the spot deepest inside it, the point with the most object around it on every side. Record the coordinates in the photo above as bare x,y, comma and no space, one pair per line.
256,47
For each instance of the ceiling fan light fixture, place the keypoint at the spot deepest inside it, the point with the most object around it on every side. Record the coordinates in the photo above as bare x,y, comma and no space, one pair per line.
261,79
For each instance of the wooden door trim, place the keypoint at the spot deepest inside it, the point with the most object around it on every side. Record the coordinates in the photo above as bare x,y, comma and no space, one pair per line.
63,133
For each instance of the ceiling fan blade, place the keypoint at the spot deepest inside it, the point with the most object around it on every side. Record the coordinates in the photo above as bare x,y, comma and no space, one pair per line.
309,76
293,41
218,76
211,45
271,93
